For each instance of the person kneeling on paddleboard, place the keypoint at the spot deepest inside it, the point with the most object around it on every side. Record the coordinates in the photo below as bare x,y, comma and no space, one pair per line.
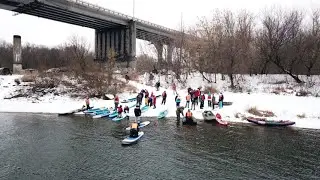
189,117
134,130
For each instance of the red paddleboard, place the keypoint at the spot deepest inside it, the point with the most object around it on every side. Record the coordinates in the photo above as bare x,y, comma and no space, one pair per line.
220,121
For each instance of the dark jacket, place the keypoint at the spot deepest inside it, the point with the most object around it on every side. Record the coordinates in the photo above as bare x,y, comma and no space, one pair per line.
164,95
137,112
179,111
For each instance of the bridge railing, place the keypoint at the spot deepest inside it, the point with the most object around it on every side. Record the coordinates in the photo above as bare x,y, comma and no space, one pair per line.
99,8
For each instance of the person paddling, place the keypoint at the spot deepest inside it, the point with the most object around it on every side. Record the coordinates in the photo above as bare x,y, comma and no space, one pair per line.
134,130
189,119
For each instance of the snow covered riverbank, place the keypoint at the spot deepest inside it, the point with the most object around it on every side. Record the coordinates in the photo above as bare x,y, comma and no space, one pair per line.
303,110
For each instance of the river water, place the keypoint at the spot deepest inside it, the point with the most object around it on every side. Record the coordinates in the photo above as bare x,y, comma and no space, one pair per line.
51,147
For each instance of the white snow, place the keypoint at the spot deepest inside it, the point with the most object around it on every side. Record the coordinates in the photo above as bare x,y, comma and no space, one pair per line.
286,106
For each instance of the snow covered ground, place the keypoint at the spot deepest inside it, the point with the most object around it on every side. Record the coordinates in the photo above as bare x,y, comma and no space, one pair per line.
286,106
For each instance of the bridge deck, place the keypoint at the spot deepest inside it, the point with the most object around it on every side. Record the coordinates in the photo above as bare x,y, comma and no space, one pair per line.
87,15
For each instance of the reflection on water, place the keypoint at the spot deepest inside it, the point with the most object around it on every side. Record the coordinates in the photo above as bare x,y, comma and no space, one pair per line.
50,147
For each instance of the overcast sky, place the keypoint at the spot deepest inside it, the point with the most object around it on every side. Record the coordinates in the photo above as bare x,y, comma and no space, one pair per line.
163,12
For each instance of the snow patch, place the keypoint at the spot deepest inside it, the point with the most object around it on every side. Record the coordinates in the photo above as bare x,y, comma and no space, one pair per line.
286,106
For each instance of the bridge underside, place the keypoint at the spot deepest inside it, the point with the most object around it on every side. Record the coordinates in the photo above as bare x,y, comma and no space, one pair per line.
112,33
72,15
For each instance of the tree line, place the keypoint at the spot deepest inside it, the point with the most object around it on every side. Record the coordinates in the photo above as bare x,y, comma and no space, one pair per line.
285,42
74,54
277,42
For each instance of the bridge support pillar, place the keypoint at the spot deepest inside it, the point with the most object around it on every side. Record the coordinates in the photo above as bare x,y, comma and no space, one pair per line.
170,48
17,51
159,48
132,40
121,41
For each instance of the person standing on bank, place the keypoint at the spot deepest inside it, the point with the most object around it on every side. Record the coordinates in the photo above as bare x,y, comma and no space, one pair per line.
164,98
137,113
116,102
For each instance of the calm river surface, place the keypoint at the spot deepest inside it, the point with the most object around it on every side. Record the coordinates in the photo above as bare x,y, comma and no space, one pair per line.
51,147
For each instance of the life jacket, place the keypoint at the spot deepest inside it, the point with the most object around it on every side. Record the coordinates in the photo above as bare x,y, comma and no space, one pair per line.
218,116
87,102
221,97
188,97
189,114
197,93
154,99
209,97
134,126
120,110
203,97
116,100
164,94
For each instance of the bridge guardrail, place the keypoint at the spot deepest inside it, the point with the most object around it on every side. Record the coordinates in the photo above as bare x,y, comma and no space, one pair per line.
84,3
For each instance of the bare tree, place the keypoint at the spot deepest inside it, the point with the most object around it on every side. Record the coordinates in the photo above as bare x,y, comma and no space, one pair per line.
6,55
277,38
312,43
77,51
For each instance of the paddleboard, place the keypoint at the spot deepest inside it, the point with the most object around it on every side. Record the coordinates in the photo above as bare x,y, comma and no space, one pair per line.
132,105
220,121
114,114
143,124
100,112
94,110
106,114
130,140
163,114
184,122
120,118
144,109
128,100
73,111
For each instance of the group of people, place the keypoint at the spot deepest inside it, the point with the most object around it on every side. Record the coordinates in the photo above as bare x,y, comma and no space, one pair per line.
196,96
120,109
148,100
188,115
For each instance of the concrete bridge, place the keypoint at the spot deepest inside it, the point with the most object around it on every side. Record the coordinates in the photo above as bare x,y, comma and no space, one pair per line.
113,31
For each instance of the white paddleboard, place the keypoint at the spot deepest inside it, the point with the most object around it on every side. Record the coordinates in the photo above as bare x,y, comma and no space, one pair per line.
101,116
143,124
130,140
79,114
